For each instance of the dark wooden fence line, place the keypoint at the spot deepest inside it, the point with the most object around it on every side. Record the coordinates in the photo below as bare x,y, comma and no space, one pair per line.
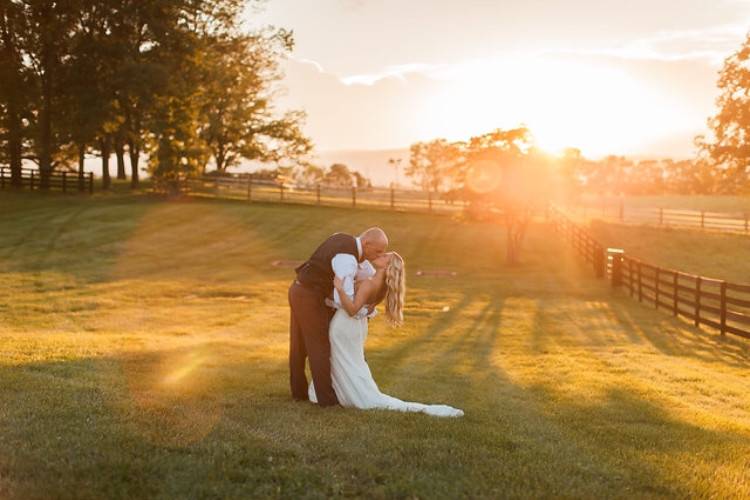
65,182
258,190
736,222
717,304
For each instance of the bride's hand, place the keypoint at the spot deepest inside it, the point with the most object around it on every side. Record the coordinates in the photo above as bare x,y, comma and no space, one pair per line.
338,283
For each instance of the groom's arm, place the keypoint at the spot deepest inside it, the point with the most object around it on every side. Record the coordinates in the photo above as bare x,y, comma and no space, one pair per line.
345,268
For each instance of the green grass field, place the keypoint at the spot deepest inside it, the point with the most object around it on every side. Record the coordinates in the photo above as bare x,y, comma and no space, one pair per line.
143,353
709,203
712,254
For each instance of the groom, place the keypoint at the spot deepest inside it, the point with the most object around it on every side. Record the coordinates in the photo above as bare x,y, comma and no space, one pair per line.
339,256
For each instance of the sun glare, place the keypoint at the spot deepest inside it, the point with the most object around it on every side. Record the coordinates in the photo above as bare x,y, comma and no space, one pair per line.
600,110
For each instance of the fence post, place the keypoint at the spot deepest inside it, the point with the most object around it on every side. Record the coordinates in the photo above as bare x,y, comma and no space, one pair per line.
354,197
656,293
91,182
281,191
599,262
2,177
250,188
80,181
65,181
703,219
393,198
697,301
723,307
630,277
317,193
675,283
31,187
640,281
622,211
617,258
429,201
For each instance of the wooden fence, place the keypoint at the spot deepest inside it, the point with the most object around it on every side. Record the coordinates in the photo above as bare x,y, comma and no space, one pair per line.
736,222
718,304
59,181
253,190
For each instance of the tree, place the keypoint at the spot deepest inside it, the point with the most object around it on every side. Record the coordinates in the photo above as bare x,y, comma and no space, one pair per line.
238,113
13,82
361,181
499,171
309,175
339,175
728,148
430,163
88,84
45,48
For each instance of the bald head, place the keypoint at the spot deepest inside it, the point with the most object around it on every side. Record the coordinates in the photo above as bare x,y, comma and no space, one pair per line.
374,243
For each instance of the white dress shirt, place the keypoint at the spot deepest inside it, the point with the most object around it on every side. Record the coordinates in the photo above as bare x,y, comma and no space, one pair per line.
347,268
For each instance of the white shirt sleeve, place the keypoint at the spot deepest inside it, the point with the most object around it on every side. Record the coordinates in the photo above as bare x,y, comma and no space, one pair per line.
344,267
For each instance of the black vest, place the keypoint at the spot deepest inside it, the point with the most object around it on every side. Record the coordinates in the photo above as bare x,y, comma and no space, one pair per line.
317,272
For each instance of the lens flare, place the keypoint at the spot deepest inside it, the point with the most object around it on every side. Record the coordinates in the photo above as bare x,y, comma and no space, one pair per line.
172,398
483,176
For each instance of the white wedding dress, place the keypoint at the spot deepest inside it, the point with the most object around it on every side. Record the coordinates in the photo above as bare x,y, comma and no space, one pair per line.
352,379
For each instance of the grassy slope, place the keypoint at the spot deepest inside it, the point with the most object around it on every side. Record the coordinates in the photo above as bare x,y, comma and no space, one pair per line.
709,203
143,353
711,254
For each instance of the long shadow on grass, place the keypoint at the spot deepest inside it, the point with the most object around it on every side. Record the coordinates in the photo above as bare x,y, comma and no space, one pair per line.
602,448
667,334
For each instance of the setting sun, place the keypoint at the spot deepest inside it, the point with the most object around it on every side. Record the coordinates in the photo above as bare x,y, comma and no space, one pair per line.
563,103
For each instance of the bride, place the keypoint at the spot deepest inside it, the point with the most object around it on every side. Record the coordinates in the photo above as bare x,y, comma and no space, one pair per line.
352,379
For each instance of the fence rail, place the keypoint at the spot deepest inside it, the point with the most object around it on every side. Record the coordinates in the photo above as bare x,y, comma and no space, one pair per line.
253,190
61,181
718,304
736,222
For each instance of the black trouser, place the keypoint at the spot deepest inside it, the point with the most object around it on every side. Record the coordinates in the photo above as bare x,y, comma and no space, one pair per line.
308,338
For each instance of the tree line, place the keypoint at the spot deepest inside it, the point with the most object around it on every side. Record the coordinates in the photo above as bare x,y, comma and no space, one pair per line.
180,81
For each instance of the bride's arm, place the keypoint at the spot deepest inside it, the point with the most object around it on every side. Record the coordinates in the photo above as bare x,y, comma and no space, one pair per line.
352,307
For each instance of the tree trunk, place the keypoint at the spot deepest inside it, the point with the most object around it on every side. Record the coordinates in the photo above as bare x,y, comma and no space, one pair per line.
46,111
14,145
120,153
81,160
105,150
45,136
11,60
134,153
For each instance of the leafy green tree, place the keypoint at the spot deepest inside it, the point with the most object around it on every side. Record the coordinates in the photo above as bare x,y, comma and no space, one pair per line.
240,121
45,47
13,82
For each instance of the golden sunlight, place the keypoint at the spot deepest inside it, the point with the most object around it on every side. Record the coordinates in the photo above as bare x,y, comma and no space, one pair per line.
564,103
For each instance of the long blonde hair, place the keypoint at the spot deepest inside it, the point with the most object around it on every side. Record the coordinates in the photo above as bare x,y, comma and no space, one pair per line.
395,282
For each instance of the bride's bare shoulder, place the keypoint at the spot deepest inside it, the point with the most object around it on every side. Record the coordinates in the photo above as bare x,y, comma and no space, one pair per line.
366,285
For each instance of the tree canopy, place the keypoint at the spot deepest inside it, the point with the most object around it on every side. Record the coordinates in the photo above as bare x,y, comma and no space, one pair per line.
180,81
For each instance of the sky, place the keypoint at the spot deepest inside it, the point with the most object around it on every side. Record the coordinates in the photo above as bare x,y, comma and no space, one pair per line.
629,77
